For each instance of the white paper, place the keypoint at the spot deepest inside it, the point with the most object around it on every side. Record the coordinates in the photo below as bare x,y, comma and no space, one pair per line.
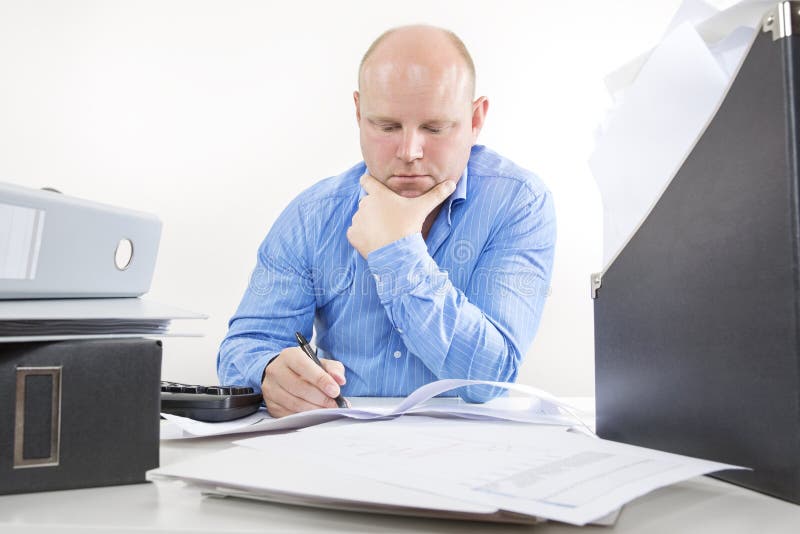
649,135
45,319
129,308
249,473
539,407
663,101
529,469
693,12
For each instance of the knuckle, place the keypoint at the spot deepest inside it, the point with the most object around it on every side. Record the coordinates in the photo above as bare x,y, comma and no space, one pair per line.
323,382
333,365
274,409
296,405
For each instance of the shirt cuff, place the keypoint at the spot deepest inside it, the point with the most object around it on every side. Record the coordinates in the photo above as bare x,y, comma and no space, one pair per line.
257,367
400,266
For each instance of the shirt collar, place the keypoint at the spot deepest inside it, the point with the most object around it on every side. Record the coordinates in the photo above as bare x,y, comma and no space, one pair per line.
460,194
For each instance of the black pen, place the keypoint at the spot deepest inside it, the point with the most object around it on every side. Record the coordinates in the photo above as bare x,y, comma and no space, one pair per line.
340,401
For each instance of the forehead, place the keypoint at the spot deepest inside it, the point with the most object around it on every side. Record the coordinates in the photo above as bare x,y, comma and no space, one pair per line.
409,87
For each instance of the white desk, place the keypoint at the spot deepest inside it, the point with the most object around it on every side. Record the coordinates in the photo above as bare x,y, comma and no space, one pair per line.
702,505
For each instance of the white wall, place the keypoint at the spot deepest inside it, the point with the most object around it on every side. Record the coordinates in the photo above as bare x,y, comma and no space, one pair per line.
213,114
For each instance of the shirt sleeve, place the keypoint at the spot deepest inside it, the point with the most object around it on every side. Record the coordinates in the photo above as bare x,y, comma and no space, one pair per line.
483,331
279,301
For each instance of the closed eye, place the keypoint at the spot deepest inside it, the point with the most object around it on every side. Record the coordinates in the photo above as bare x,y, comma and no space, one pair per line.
384,126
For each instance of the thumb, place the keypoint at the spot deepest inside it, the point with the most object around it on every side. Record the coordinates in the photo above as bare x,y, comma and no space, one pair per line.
438,194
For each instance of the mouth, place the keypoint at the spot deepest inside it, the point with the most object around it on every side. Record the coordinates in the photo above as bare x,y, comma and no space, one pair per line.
409,177
410,185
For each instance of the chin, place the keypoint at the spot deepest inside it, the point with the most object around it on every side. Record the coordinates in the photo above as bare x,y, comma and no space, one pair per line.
410,194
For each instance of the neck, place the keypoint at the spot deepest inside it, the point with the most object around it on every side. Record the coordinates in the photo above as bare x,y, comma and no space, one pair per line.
426,226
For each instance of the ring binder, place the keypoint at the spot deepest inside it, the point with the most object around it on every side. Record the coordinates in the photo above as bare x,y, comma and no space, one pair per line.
64,247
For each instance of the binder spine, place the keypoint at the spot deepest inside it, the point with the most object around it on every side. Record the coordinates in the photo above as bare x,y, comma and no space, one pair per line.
791,56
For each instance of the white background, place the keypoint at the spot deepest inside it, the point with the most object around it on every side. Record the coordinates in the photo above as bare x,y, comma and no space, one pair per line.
214,114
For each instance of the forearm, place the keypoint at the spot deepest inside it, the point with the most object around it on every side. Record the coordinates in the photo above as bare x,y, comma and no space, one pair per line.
244,353
456,337
277,303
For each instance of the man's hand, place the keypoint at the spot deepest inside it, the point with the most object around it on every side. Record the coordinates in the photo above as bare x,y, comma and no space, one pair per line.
383,216
294,383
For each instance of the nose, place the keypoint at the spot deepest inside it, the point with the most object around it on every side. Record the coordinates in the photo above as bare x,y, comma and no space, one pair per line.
410,147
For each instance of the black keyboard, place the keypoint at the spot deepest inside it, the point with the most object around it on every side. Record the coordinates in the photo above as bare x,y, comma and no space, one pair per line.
208,403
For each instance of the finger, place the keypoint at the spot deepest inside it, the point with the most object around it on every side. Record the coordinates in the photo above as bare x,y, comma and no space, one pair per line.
276,410
293,403
312,373
371,184
280,373
307,392
335,369
296,394
436,195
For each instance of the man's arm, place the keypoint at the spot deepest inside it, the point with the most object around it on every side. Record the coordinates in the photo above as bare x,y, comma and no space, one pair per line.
484,331
278,302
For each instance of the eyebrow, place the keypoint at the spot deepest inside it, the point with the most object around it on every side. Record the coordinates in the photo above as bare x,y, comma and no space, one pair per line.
389,120
382,119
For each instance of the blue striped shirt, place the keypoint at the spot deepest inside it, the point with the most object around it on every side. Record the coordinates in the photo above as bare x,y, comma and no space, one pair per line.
463,303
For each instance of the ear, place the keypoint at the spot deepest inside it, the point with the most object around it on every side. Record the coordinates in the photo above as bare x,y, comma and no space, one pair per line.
358,107
479,109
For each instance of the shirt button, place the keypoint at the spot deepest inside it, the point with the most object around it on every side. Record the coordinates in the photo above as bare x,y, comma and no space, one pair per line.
399,330
397,354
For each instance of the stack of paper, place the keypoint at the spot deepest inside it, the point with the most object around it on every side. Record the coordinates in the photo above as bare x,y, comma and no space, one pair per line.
40,320
663,102
488,470
509,460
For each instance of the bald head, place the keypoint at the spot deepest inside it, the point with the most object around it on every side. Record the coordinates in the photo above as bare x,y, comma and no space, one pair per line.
416,109
418,46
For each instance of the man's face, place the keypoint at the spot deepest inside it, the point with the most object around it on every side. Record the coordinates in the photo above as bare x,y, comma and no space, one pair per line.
417,124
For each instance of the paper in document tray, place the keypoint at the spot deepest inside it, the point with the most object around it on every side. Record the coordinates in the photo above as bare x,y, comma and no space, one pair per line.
37,320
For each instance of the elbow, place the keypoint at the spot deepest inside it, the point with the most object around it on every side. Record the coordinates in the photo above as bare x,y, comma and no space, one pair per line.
481,394
507,372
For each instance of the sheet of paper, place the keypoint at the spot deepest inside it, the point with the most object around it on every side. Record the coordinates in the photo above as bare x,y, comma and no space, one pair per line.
529,469
538,407
89,309
250,473
649,135
663,101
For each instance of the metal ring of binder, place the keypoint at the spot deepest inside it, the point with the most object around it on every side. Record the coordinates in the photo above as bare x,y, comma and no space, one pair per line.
784,20
122,265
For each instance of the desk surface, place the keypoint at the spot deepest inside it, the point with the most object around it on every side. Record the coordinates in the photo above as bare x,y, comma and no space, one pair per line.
701,505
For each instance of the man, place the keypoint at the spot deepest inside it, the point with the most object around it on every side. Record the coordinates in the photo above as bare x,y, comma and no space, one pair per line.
431,259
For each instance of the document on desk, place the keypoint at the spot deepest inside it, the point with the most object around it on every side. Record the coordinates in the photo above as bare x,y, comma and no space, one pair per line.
536,406
504,470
